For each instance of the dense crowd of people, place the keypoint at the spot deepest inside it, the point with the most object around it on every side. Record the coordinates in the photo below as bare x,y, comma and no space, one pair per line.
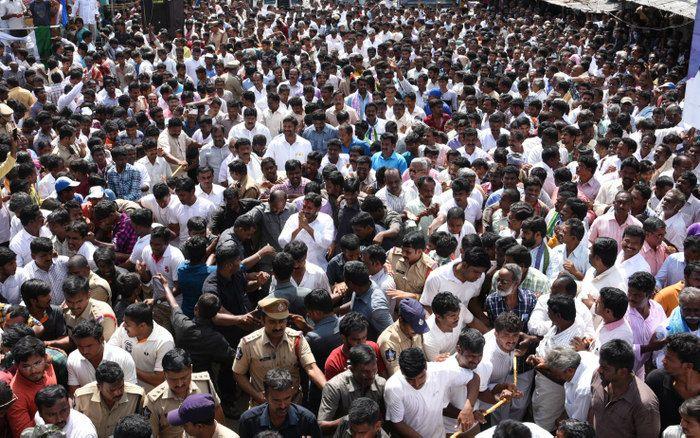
348,220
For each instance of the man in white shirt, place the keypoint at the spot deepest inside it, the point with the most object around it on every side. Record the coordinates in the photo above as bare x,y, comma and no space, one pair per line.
173,141
147,342
159,262
630,259
163,205
53,407
539,322
415,397
393,195
461,197
249,128
190,206
32,227
206,188
305,274
91,351
603,272
463,277
499,350
157,168
468,360
313,228
572,253
445,325
288,145
548,396
11,276
575,370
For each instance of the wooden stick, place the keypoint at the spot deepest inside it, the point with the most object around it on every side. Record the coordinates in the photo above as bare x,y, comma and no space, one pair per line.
515,370
179,168
494,407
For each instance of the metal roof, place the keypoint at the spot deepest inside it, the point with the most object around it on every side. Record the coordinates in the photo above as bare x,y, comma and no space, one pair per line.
594,6
685,8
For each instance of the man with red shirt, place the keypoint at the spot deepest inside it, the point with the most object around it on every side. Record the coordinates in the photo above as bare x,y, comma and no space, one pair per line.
353,331
438,118
34,372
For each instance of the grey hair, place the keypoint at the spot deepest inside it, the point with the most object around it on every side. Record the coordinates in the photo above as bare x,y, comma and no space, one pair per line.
465,172
515,270
277,379
689,294
423,162
615,108
676,195
562,358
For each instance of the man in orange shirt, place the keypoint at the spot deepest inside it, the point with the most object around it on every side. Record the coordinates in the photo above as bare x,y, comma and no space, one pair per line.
34,372
668,296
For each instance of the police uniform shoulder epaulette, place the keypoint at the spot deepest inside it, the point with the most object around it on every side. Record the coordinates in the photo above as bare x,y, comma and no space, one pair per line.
253,336
293,333
204,375
86,390
157,392
132,388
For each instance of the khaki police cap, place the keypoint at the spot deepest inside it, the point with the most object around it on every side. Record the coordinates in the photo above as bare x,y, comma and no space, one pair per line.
5,110
276,308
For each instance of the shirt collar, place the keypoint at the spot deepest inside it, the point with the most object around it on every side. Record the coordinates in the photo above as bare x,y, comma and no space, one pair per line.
615,324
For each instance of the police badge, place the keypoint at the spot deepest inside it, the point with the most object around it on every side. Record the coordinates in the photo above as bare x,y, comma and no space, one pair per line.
390,355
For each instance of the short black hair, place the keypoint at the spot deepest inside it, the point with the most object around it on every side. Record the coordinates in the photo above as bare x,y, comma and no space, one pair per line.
614,300
643,282
687,347
27,347
41,245
357,273
572,428
108,372
508,322
87,329
353,322
445,302
176,360
49,395
320,300
74,285
606,249
511,429
471,339
563,306
133,426
34,288
412,362
364,410
618,354
282,265
140,313
297,249
361,354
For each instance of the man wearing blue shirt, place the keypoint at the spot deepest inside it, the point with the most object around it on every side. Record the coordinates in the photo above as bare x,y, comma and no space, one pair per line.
367,299
387,157
348,140
320,133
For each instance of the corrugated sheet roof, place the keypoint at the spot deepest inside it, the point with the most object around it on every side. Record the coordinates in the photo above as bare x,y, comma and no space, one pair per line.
686,8
594,6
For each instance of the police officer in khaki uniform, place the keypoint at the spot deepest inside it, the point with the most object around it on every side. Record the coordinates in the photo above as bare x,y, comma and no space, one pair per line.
405,333
179,383
108,399
7,122
410,266
79,306
273,346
